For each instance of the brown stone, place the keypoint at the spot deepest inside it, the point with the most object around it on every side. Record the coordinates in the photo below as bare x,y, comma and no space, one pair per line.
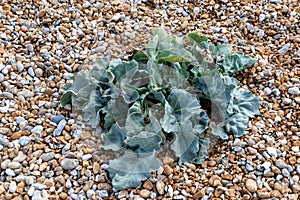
148,185
167,170
15,136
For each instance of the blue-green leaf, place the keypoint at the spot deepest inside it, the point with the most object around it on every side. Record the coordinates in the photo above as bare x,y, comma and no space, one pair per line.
237,123
235,62
203,150
131,168
114,139
135,119
186,143
145,142
184,104
218,130
244,102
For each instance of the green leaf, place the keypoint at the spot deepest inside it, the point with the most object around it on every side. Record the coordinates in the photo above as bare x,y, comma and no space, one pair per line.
237,123
114,139
169,122
140,57
124,70
66,98
131,168
235,62
244,102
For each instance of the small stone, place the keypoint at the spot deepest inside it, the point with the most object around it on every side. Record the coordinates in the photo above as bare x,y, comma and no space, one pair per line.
1,77
38,72
148,185
14,165
272,151
90,194
31,72
20,157
168,160
215,181
285,172
294,91
96,168
267,91
60,127
56,119
145,193
196,11
260,33
12,187
261,17
160,187
122,194
190,165
10,172
36,195
69,164
284,49
37,130
167,170
263,194
251,185
24,140
298,53
47,156
86,157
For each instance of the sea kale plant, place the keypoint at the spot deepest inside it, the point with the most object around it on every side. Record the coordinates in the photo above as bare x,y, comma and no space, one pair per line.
169,94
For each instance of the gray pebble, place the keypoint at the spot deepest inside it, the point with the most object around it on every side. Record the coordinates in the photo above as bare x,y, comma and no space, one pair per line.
298,53
24,140
1,77
20,120
56,119
60,127
262,17
276,91
69,164
284,49
30,48
260,33
249,167
272,151
12,187
10,172
298,169
39,186
7,94
209,190
86,156
196,10
267,91
47,156
37,130
90,194
280,164
285,172
184,14
294,91
30,72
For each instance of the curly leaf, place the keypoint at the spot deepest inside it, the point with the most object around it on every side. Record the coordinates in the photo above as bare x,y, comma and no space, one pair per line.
237,124
114,139
145,142
203,150
244,102
223,50
135,119
235,62
218,130
131,168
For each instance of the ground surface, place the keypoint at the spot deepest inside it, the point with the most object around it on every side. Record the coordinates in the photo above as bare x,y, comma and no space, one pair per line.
42,155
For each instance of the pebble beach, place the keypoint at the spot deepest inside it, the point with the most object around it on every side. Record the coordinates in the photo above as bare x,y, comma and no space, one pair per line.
47,153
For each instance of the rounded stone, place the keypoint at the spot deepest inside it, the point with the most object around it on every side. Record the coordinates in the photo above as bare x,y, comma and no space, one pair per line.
69,163
251,185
